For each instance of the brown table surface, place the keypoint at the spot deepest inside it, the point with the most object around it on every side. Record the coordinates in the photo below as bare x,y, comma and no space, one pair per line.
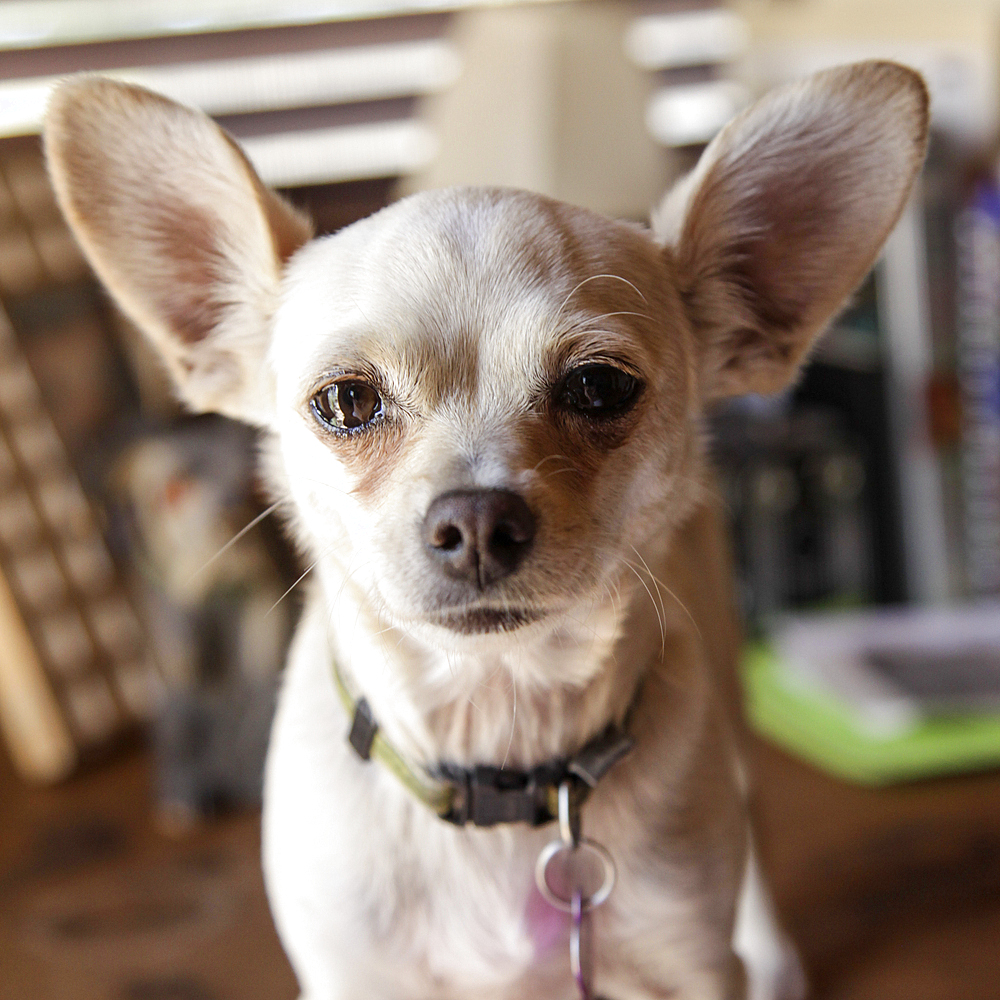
891,894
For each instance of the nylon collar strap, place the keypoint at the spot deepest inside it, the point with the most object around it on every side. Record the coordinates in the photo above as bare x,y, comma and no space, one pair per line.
485,795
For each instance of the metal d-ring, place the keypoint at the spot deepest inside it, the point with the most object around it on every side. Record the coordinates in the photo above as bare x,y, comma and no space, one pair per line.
556,847
572,843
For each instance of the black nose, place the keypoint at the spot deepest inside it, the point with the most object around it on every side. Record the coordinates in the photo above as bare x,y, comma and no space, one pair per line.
479,536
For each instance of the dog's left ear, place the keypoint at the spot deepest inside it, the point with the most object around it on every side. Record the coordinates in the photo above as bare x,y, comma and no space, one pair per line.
182,232
786,212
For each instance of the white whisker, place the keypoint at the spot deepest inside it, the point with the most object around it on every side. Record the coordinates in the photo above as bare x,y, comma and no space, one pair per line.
659,583
547,458
656,584
232,541
558,472
594,277
513,716
290,589
656,608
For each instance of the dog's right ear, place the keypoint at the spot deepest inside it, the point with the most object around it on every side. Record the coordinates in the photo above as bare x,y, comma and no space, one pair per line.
177,225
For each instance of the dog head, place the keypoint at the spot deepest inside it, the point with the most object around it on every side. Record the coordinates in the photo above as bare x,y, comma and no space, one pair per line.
485,403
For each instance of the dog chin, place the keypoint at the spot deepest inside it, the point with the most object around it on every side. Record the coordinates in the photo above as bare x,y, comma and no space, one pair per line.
485,621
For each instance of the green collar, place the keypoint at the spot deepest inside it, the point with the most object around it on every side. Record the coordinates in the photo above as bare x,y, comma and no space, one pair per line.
484,795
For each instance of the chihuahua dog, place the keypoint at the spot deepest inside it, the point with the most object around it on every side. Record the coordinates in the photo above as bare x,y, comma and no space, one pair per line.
483,410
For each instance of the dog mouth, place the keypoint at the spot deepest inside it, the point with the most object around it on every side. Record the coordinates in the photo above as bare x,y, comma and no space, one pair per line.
478,621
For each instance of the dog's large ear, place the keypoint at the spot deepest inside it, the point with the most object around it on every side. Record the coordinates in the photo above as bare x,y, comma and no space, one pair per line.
786,212
180,229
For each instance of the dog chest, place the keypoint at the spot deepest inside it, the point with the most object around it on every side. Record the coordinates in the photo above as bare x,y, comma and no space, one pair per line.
354,863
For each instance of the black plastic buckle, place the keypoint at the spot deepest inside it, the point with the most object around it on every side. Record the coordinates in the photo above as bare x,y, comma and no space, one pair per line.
363,729
487,796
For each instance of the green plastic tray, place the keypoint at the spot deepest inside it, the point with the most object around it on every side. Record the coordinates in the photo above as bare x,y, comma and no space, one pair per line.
824,731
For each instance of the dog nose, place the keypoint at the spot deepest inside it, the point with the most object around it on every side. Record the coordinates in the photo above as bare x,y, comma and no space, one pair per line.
479,536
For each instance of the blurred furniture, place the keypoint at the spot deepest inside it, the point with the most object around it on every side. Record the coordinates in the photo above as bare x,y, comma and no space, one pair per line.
74,670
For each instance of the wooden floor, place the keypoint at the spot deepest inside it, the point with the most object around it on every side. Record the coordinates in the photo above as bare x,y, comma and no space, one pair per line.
95,904
892,895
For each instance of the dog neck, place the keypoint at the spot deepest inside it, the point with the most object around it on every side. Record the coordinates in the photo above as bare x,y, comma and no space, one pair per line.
513,699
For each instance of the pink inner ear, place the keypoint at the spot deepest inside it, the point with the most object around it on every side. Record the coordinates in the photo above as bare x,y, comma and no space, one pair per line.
790,206
186,245
797,246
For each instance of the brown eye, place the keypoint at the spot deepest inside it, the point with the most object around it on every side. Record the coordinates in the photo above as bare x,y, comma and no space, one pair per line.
598,391
347,405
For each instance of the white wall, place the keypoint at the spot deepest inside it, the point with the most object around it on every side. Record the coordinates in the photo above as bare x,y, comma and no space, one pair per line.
547,100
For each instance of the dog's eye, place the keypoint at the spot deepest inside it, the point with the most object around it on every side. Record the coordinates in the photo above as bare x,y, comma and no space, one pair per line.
599,390
347,405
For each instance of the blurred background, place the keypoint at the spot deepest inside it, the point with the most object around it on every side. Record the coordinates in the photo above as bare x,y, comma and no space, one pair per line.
139,651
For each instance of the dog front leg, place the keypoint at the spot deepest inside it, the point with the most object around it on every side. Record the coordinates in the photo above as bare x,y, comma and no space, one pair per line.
774,971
